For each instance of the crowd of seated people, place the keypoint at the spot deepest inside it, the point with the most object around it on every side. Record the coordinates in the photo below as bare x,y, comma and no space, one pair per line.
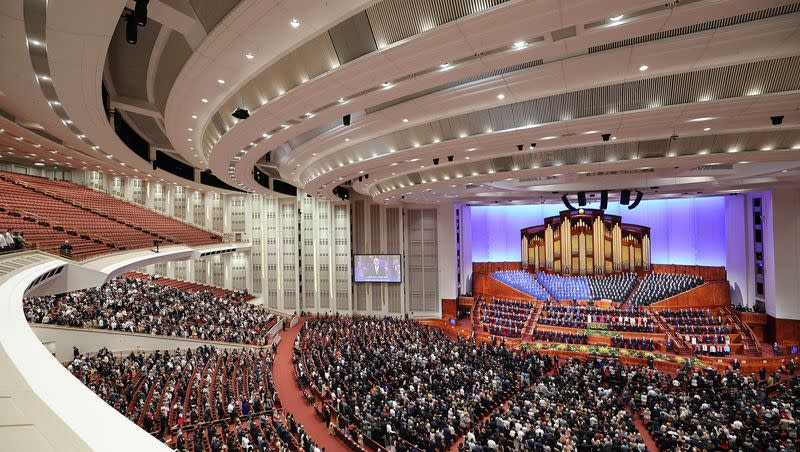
643,344
140,306
403,384
522,281
505,317
579,408
559,336
706,333
192,399
11,241
717,410
563,316
565,287
658,286
614,287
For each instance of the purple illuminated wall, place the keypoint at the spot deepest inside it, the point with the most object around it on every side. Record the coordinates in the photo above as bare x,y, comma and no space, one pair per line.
683,231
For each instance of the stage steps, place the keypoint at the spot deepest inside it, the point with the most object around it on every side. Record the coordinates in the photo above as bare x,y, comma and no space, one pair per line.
626,303
748,339
549,294
680,345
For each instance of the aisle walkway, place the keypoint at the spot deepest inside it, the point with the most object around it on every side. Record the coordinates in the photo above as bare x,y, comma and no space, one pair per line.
292,398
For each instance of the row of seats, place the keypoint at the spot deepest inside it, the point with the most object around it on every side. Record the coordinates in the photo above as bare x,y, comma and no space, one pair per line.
614,287
74,211
191,287
522,281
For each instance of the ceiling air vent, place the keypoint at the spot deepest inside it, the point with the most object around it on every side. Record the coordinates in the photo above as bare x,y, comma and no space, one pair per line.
723,167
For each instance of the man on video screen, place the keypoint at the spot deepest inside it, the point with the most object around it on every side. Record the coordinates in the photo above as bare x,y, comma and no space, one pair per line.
377,269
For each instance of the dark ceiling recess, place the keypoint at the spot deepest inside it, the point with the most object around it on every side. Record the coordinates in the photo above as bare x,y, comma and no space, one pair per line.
208,178
167,163
261,177
131,139
284,188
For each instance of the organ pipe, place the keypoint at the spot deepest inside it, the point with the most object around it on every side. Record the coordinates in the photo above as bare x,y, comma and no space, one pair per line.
524,251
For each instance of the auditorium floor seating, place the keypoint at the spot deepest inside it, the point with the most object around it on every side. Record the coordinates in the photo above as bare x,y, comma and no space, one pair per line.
91,216
187,286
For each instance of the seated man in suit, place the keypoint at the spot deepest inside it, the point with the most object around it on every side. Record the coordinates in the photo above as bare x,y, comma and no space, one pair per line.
66,249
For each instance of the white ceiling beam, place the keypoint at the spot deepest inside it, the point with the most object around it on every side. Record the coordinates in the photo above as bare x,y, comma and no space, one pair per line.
138,106
183,23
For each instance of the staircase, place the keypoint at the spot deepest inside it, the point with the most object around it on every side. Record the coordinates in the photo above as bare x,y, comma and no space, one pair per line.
626,303
549,294
533,319
680,345
748,339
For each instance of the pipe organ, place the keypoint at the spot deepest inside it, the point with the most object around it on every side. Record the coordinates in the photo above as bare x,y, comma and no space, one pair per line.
586,242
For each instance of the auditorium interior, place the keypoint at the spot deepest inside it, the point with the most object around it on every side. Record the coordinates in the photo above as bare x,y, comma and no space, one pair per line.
399,225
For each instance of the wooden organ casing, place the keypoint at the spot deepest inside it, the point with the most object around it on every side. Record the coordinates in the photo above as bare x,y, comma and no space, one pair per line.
586,242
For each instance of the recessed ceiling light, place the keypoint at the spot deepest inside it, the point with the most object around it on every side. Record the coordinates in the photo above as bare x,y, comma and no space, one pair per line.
520,44
38,164
204,100
220,81
294,23
501,96
613,138
701,119
265,135
743,162
616,18
466,158
249,55
785,171
194,116
386,84
188,139
549,138
643,67
707,129
190,129
342,100
444,65
405,119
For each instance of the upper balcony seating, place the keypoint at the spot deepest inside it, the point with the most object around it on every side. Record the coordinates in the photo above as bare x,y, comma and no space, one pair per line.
505,317
658,286
49,238
113,222
522,281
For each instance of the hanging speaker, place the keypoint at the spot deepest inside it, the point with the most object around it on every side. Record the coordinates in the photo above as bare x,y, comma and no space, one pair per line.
625,197
566,202
604,200
581,198
637,200
346,120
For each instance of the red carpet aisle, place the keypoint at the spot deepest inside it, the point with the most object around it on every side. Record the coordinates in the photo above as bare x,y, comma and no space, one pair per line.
292,398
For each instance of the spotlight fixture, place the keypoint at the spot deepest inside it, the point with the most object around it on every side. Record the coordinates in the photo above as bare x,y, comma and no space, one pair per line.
533,145
131,30
249,55
638,200
346,120
450,158
294,23
140,11
520,146
581,198
625,197
240,113
436,161
604,200
606,136
776,120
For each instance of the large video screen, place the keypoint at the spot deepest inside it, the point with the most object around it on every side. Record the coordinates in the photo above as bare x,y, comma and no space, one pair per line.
384,268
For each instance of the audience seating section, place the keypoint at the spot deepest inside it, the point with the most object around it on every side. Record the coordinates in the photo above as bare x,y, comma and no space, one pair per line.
658,286
522,281
107,220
